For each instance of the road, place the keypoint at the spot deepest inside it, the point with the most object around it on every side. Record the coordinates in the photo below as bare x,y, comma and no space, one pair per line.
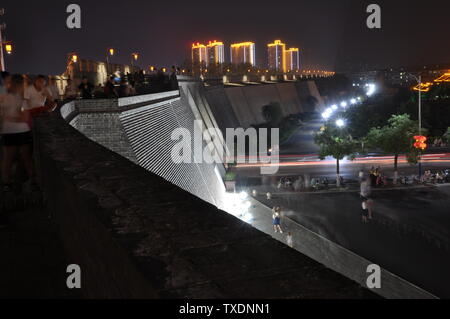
298,156
409,234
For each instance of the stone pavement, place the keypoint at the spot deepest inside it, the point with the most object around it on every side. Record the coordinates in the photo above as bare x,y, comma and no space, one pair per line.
331,254
32,259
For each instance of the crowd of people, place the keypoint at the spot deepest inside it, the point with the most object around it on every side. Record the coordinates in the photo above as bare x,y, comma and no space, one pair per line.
439,177
128,85
21,99
377,178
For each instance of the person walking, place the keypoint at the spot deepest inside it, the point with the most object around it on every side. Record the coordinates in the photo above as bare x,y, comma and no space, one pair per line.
367,210
361,175
277,220
16,133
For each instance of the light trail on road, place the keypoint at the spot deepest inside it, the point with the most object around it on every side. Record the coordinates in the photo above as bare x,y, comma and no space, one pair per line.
379,160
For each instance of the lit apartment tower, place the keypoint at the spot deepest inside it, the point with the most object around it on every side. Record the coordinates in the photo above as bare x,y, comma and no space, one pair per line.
243,53
292,58
199,55
276,53
216,53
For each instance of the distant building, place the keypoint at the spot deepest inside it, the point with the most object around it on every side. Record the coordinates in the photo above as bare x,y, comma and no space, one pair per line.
360,79
242,53
292,57
277,58
199,54
215,52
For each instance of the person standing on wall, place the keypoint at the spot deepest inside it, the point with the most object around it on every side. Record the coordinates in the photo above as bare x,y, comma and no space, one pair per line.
85,89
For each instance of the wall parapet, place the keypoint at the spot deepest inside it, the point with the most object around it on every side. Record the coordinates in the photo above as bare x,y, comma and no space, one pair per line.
136,235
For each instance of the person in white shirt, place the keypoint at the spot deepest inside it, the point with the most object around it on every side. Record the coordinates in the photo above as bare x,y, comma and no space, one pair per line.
38,98
37,94
16,132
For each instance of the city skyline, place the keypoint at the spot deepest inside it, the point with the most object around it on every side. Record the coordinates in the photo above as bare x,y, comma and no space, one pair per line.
334,34
281,59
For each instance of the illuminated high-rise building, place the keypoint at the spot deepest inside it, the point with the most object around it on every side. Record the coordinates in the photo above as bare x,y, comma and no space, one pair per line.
216,53
199,54
243,53
277,58
292,58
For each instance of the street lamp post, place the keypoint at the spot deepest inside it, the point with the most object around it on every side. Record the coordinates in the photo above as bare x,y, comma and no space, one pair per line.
420,122
108,54
2,26
419,82
134,57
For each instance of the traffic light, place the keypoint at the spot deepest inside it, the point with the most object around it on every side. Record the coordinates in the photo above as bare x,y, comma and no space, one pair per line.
420,143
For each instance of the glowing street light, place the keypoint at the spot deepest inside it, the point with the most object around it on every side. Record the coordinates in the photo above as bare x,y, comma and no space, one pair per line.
74,58
340,123
8,48
134,57
334,107
344,104
327,114
111,51
353,101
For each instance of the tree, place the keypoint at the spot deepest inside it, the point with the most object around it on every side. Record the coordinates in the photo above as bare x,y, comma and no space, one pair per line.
272,113
338,143
395,138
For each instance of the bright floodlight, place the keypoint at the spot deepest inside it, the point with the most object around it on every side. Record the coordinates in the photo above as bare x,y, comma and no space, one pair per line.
344,104
327,114
334,107
353,101
243,195
371,88
340,123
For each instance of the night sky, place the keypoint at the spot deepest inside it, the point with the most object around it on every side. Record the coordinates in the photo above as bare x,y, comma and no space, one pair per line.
332,34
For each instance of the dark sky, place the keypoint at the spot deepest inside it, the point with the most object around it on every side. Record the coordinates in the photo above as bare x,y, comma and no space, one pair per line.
331,33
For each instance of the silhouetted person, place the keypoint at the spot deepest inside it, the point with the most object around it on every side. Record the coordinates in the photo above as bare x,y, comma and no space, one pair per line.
85,88
173,79
110,89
